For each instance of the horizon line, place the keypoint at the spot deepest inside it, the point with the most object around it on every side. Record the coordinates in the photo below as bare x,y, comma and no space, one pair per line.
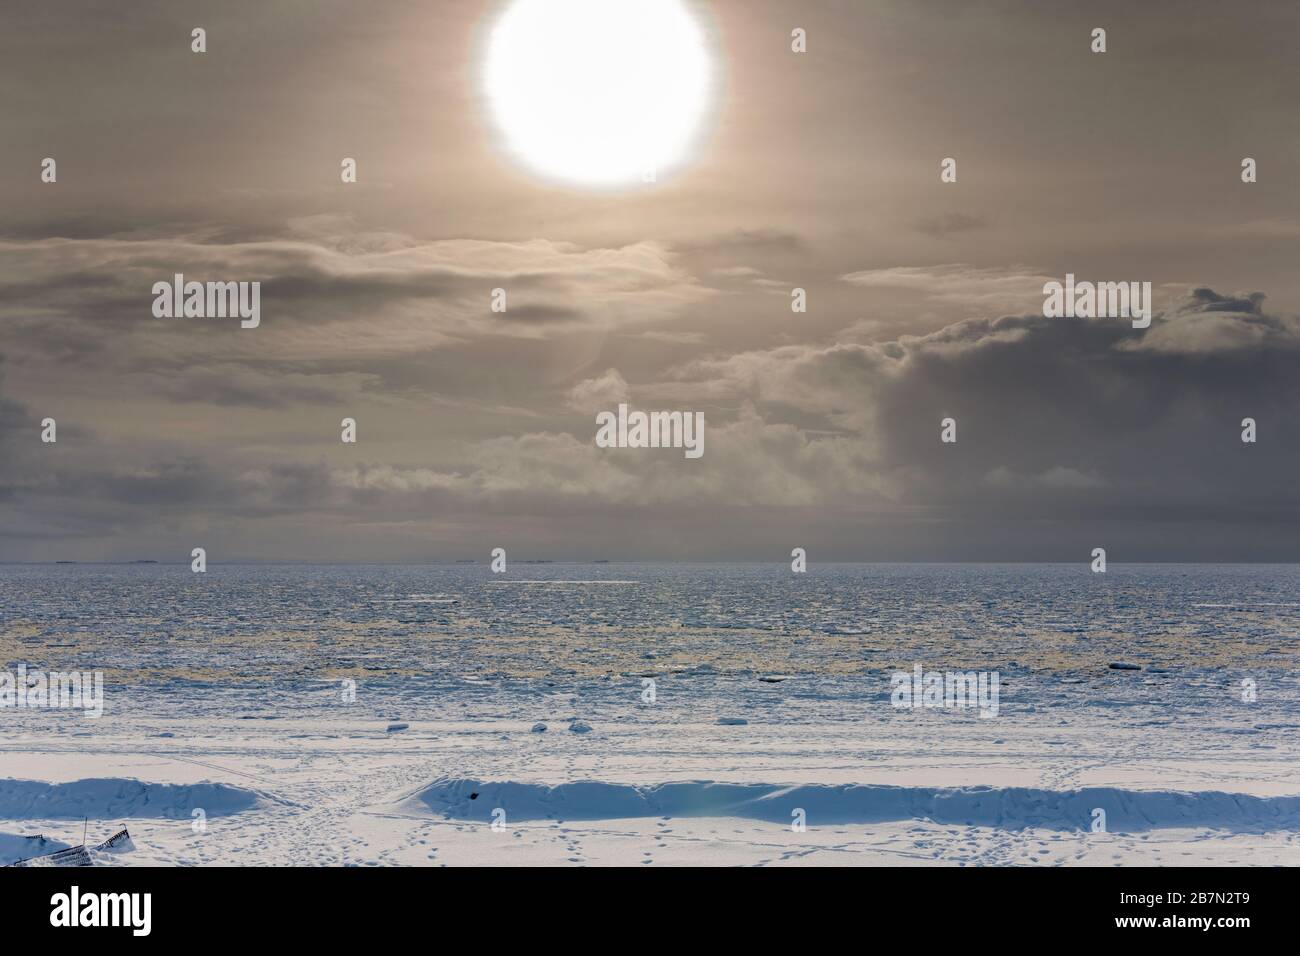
144,562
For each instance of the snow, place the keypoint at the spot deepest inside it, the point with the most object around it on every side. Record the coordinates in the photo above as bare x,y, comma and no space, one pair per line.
1008,808
105,797
324,786
15,847
247,722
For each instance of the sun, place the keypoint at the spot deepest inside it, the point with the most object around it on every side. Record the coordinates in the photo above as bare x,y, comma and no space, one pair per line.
599,93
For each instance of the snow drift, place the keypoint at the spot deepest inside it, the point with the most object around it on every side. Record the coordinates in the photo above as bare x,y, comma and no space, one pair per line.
15,847
117,798
1008,808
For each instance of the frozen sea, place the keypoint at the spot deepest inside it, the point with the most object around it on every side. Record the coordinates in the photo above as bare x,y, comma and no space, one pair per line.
381,714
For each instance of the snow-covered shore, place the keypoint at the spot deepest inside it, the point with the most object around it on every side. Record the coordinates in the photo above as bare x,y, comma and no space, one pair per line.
291,774
345,715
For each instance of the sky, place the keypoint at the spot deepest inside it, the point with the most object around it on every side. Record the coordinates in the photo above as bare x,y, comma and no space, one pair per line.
817,170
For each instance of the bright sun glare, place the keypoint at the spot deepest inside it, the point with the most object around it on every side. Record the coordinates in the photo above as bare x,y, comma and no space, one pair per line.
599,93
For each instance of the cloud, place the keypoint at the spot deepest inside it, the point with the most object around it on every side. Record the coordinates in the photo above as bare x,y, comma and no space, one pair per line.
605,391
1206,323
671,338
1054,415
1064,427
15,420
321,291
979,290
1054,477
738,272
951,224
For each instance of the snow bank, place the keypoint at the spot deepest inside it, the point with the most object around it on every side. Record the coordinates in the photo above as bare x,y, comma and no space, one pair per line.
1009,808
116,798
14,847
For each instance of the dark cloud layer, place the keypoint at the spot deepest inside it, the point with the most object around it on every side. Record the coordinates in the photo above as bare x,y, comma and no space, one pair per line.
1070,433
